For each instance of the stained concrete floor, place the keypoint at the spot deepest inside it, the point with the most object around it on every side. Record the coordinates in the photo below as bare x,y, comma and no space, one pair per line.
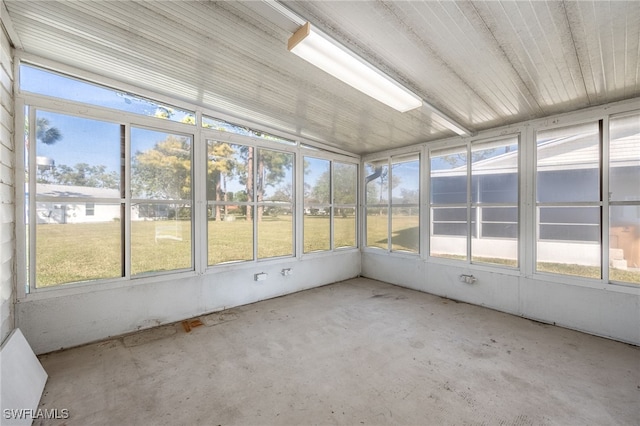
359,352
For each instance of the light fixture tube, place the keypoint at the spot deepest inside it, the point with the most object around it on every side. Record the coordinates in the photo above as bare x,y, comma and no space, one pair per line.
334,59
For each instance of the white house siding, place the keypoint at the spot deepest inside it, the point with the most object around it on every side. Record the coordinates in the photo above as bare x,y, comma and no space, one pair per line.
7,189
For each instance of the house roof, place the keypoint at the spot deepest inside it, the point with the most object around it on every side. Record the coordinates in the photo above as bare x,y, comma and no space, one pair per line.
54,190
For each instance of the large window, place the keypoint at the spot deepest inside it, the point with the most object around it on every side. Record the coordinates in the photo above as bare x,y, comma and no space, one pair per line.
568,200
317,207
330,194
110,187
393,203
274,192
77,214
474,204
494,202
377,203
449,195
345,198
250,193
405,203
77,218
104,199
229,202
161,201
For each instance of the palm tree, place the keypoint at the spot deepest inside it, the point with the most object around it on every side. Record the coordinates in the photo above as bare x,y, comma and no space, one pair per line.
45,133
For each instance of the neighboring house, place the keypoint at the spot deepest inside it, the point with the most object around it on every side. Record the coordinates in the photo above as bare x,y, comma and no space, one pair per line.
79,204
567,175
76,204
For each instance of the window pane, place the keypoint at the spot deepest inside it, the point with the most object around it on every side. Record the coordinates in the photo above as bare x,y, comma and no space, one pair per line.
345,183
568,162
77,157
494,170
377,227
317,181
405,229
229,173
377,185
224,126
231,237
449,215
344,227
624,239
494,179
569,241
499,222
317,229
274,176
450,247
624,183
449,176
160,237
405,210
160,165
406,182
275,230
569,223
275,220
37,80
499,232
70,248
449,231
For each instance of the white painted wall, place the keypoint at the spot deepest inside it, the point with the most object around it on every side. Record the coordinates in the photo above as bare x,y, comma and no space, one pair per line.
7,190
599,311
64,318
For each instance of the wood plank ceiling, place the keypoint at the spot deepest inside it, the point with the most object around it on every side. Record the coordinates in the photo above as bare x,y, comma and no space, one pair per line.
485,64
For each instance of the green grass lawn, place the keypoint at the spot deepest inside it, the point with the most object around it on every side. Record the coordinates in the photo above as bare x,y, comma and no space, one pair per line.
83,252
90,251
404,231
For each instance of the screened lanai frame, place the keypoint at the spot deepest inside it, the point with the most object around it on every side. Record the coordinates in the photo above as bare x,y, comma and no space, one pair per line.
127,199
295,146
408,242
332,204
603,162
468,209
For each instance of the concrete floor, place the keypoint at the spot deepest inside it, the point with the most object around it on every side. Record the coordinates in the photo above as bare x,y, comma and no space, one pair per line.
352,353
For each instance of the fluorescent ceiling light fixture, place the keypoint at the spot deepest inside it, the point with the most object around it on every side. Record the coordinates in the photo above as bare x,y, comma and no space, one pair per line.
334,59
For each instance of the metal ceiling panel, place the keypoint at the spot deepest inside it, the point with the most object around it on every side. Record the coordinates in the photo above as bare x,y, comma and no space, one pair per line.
485,64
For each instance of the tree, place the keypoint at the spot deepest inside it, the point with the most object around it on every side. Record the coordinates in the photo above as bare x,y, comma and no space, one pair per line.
45,133
221,165
82,174
460,159
377,185
271,170
271,167
345,182
164,171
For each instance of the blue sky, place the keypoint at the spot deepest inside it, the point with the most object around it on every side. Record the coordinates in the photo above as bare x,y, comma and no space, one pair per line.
86,140
47,83
91,141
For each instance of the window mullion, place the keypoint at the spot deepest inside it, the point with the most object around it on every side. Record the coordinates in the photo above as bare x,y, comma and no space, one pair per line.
389,204
469,196
332,245
32,199
127,200
605,196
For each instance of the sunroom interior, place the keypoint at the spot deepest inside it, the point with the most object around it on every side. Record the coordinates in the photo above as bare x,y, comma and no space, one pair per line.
167,160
